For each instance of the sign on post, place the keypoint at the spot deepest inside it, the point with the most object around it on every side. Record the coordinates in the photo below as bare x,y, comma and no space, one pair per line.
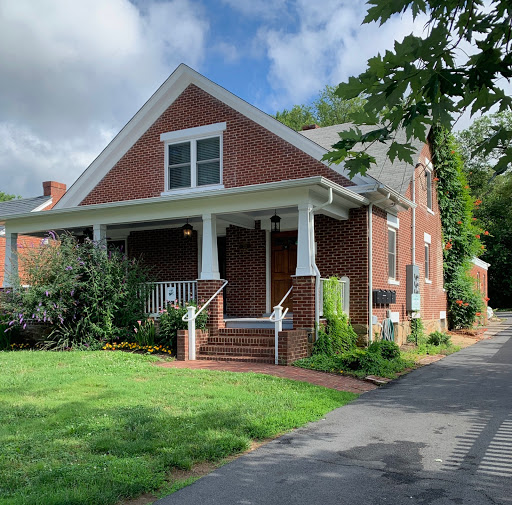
170,296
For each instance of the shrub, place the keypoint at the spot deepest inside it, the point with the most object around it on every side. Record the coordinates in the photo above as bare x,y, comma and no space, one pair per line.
88,294
439,338
171,320
417,335
385,348
144,333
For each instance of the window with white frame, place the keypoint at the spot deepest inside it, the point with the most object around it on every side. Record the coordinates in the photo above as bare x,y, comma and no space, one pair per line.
193,157
428,240
393,226
428,177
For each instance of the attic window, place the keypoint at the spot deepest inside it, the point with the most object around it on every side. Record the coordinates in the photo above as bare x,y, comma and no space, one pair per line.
193,157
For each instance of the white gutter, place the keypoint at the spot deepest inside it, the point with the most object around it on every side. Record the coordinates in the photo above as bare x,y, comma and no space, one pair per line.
313,259
370,266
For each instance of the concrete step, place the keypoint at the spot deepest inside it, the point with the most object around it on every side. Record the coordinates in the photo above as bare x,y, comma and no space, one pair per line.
256,322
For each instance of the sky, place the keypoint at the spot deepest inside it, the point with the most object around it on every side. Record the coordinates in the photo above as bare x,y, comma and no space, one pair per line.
73,72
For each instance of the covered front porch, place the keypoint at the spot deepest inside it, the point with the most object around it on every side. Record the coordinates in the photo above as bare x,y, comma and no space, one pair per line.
196,241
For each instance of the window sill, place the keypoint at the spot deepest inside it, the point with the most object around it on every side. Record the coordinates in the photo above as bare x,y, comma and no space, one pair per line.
428,281
430,211
197,189
393,282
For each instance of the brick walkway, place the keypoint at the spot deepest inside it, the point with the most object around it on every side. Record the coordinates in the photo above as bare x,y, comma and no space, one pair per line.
328,380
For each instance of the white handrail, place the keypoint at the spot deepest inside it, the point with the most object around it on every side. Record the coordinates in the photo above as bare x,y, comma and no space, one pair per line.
278,321
280,304
190,318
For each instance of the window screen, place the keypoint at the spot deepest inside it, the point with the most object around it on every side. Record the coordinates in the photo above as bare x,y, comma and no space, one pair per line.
179,165
208,161
392,253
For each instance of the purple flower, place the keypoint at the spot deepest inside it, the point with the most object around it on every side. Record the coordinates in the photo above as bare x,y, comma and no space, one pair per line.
52,234
47,293
25,326
69,267
72,292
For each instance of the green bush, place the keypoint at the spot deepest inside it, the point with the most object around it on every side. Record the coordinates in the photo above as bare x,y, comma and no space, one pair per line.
385,348
87,294
417,335
438,338
171,320
144,333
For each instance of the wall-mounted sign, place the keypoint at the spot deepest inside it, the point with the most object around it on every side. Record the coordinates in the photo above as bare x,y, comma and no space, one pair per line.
412,285
170,295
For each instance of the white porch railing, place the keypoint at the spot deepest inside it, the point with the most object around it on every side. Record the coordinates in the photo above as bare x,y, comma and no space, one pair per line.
344,293
167,292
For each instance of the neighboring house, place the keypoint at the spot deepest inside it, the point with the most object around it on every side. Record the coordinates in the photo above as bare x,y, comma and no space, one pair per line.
192,182
479,272
52,191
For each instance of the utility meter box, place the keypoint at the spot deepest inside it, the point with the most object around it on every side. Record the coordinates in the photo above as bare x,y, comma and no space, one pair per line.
412,288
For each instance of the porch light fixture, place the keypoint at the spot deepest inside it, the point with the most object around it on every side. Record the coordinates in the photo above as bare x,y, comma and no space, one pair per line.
276,222
187,230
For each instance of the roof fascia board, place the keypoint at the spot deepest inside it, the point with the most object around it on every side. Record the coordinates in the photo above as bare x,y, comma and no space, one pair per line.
480,263
168,92
43,205
239,199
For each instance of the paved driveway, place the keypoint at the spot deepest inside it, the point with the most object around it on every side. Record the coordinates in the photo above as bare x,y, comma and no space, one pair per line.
439,435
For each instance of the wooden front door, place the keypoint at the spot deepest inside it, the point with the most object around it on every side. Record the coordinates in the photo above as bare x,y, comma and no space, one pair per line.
283,265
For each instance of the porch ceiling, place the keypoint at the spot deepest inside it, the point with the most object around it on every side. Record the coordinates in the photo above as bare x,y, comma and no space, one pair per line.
234,205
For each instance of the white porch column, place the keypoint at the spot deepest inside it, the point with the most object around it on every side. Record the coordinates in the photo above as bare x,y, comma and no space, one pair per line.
209,257
99,233
305,245
11,258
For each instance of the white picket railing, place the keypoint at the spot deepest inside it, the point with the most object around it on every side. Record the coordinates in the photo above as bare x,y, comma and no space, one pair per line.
167,292
344,292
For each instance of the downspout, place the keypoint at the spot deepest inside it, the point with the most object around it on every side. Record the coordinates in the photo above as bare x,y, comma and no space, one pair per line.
313,259
413,224
370,265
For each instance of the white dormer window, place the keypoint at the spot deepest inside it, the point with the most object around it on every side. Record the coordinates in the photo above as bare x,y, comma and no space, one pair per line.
193,158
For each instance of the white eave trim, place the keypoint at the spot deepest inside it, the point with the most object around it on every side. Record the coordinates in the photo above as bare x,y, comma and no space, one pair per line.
43,205
480,263
345,193
163,98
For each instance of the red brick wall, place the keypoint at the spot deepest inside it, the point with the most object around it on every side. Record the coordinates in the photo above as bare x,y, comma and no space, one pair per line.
246,272
252,154
25,245
433,298
342,250
481,286
206,289
304,302
172,256
292,345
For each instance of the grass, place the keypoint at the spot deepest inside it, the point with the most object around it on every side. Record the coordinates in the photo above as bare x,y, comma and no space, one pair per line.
99,427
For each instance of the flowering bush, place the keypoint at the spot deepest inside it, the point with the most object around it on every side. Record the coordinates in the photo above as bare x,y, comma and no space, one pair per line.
144,333
87,293
171,320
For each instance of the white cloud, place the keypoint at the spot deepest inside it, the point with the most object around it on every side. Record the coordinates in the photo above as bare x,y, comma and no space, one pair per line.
72,71
329,45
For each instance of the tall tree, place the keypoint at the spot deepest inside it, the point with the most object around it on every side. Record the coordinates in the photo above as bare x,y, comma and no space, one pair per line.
431,80
326,110
494,212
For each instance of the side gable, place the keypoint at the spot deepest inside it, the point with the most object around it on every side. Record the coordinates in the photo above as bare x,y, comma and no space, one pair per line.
251,153
190,88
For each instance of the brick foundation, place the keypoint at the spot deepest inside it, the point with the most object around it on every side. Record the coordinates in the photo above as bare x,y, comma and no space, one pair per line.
292,345
182,343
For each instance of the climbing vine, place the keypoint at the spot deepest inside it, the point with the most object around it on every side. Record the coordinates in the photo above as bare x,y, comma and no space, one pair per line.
460,234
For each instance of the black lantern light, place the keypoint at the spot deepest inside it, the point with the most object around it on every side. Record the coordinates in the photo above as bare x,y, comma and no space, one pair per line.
276,222
187,230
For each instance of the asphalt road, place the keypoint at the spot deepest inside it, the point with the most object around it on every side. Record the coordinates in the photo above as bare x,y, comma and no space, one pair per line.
439,435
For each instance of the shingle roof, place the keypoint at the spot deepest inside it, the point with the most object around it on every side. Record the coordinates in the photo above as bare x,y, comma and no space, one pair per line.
21,206
396,175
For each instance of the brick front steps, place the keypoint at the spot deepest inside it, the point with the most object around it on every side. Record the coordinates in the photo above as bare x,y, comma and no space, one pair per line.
253,345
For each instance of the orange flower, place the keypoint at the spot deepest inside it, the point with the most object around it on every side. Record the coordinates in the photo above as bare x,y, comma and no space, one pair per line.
483,247
453,152
466,187
459,222
478,314
473,218
486,232
477,236
466,304
486,298
448,245
459,302
478,202
435,179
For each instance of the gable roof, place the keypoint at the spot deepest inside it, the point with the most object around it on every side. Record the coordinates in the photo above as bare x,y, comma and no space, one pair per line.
163,98
396,175
24,205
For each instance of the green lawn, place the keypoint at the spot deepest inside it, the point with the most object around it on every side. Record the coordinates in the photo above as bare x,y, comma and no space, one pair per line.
97,427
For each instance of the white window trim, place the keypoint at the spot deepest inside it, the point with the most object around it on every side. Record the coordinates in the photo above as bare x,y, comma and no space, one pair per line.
428,279
393,221
429,169
393,280
192,135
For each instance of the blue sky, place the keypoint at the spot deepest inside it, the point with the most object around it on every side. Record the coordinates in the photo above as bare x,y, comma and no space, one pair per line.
73,72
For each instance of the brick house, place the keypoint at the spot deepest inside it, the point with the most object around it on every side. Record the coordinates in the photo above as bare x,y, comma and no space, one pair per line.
479,272
191,184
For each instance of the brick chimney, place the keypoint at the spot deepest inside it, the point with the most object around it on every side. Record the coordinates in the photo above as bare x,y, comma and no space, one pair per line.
54,189
310,127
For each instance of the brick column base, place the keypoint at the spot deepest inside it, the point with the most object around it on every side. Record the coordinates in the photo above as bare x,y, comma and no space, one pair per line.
303,302
292,345
205,289
182,343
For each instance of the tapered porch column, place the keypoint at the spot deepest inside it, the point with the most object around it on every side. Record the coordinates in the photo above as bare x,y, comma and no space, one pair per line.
304,279
99,233
11,258
209,278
